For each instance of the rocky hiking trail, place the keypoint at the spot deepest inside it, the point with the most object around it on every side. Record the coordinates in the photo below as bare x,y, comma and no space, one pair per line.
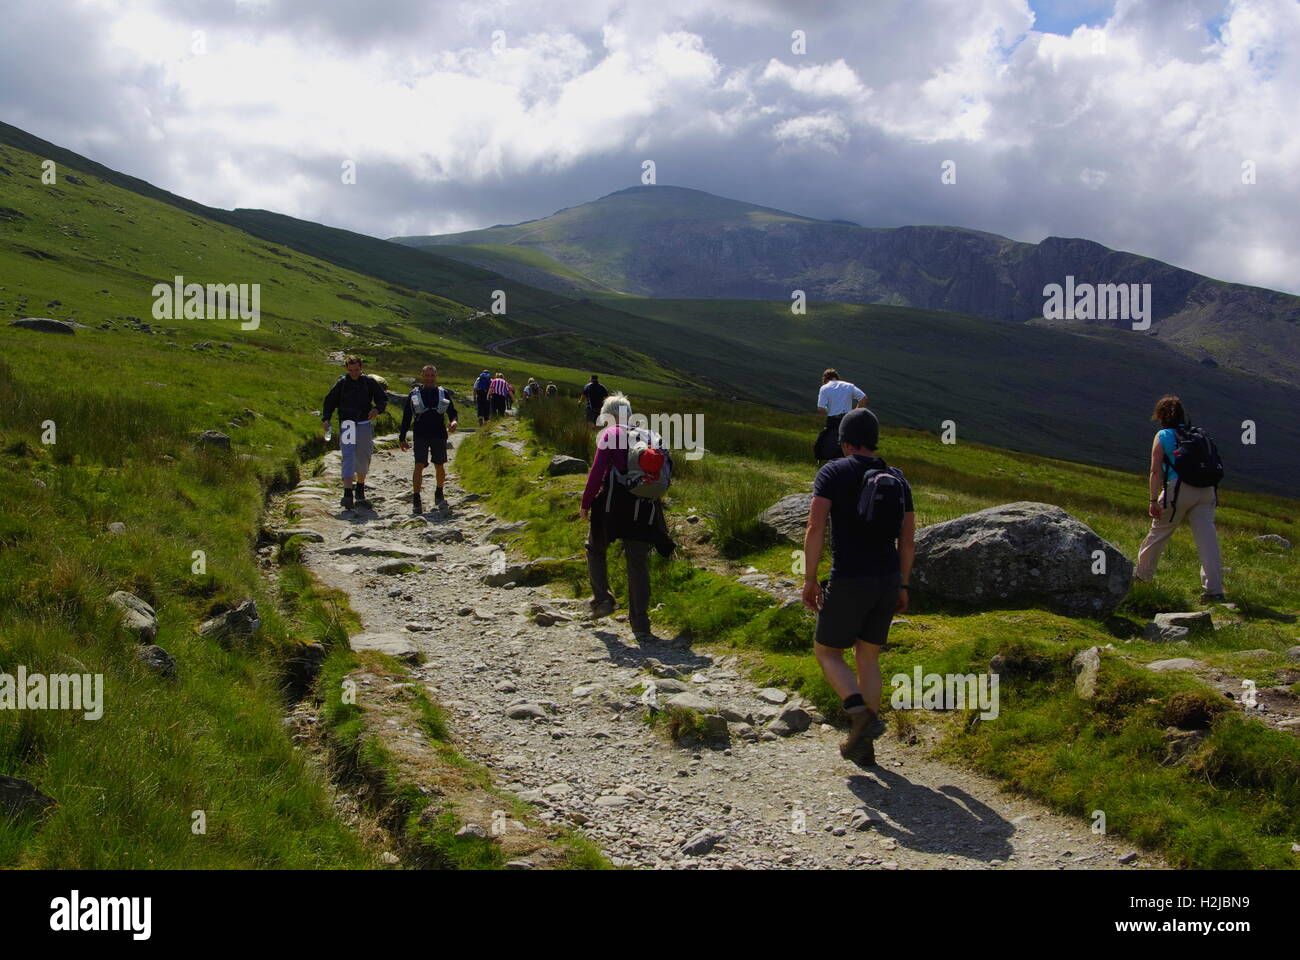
552,703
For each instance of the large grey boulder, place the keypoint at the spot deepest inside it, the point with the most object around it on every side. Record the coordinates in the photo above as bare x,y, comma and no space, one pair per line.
44,325
137,616
1273,540
788,517
1028,554
561,465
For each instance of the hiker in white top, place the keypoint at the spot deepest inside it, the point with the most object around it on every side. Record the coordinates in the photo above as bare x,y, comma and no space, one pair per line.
837,397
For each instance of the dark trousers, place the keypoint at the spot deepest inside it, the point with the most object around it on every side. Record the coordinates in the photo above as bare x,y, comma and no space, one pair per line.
498,404
637,553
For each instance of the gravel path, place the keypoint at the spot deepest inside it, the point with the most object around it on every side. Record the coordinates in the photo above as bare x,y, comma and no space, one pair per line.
581,752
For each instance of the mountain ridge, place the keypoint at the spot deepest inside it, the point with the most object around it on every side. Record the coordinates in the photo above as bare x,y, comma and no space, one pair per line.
679,242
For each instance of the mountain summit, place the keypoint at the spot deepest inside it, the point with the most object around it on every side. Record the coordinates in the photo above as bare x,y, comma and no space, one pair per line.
675,242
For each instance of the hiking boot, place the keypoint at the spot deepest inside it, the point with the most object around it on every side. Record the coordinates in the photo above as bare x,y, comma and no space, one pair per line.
438,496
417,505
362,502
602,608
347,499
864,727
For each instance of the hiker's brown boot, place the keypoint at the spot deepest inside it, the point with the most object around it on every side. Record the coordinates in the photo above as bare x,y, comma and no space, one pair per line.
859,723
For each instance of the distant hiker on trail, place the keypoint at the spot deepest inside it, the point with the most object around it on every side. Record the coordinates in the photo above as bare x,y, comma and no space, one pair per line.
552,391
481,397
629,474
501,393
593,395
1185,455
358,399
531,390
872,544
425,407
835,398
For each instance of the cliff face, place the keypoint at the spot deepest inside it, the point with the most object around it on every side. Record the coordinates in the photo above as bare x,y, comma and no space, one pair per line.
670,242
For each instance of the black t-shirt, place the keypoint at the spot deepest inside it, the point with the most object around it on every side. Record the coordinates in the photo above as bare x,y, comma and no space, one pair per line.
852,554
595,393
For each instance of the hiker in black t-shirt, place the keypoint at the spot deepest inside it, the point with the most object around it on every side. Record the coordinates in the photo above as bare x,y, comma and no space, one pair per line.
425,408
871,560
593,395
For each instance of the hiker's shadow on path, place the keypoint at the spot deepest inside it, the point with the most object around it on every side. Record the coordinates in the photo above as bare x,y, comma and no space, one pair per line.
919,816
629,655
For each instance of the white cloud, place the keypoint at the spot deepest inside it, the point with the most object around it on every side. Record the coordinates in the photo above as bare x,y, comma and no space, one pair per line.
1136,142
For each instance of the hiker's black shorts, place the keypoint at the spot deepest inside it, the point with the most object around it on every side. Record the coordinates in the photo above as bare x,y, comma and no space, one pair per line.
435,446
481,401
498,404
857,608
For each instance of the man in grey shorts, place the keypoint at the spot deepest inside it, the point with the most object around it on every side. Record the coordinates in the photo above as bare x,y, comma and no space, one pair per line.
358,399
871,560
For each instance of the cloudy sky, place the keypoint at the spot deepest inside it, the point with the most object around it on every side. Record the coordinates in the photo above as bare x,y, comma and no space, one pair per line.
1130,122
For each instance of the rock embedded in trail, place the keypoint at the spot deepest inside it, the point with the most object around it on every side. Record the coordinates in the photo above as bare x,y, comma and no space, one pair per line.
1023,553
378,548
702,843
691,701
526,711
393,644
1177,663
137,616
561,465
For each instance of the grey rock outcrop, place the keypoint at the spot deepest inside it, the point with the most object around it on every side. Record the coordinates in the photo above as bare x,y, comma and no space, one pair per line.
137,616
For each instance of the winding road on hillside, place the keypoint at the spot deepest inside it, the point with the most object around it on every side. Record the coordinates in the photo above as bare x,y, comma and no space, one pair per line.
581,752
496,345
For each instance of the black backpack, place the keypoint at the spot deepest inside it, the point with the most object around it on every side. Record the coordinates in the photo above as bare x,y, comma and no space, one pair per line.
882,501
1195,462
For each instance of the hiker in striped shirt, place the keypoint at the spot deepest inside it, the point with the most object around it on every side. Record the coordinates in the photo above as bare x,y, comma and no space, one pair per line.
500,393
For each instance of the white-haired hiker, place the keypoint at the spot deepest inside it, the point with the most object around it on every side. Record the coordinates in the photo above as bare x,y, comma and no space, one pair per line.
616,514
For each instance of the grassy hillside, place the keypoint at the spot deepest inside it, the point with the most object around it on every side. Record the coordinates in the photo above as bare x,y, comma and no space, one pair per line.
126,397
1233,801
1083,397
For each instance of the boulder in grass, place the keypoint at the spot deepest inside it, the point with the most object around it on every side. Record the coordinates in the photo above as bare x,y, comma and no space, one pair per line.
158,660
561,465
137,616
1273,540
1178,626
20,799
788,517
241,621
214,439
44,325
1021,554
1086,666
